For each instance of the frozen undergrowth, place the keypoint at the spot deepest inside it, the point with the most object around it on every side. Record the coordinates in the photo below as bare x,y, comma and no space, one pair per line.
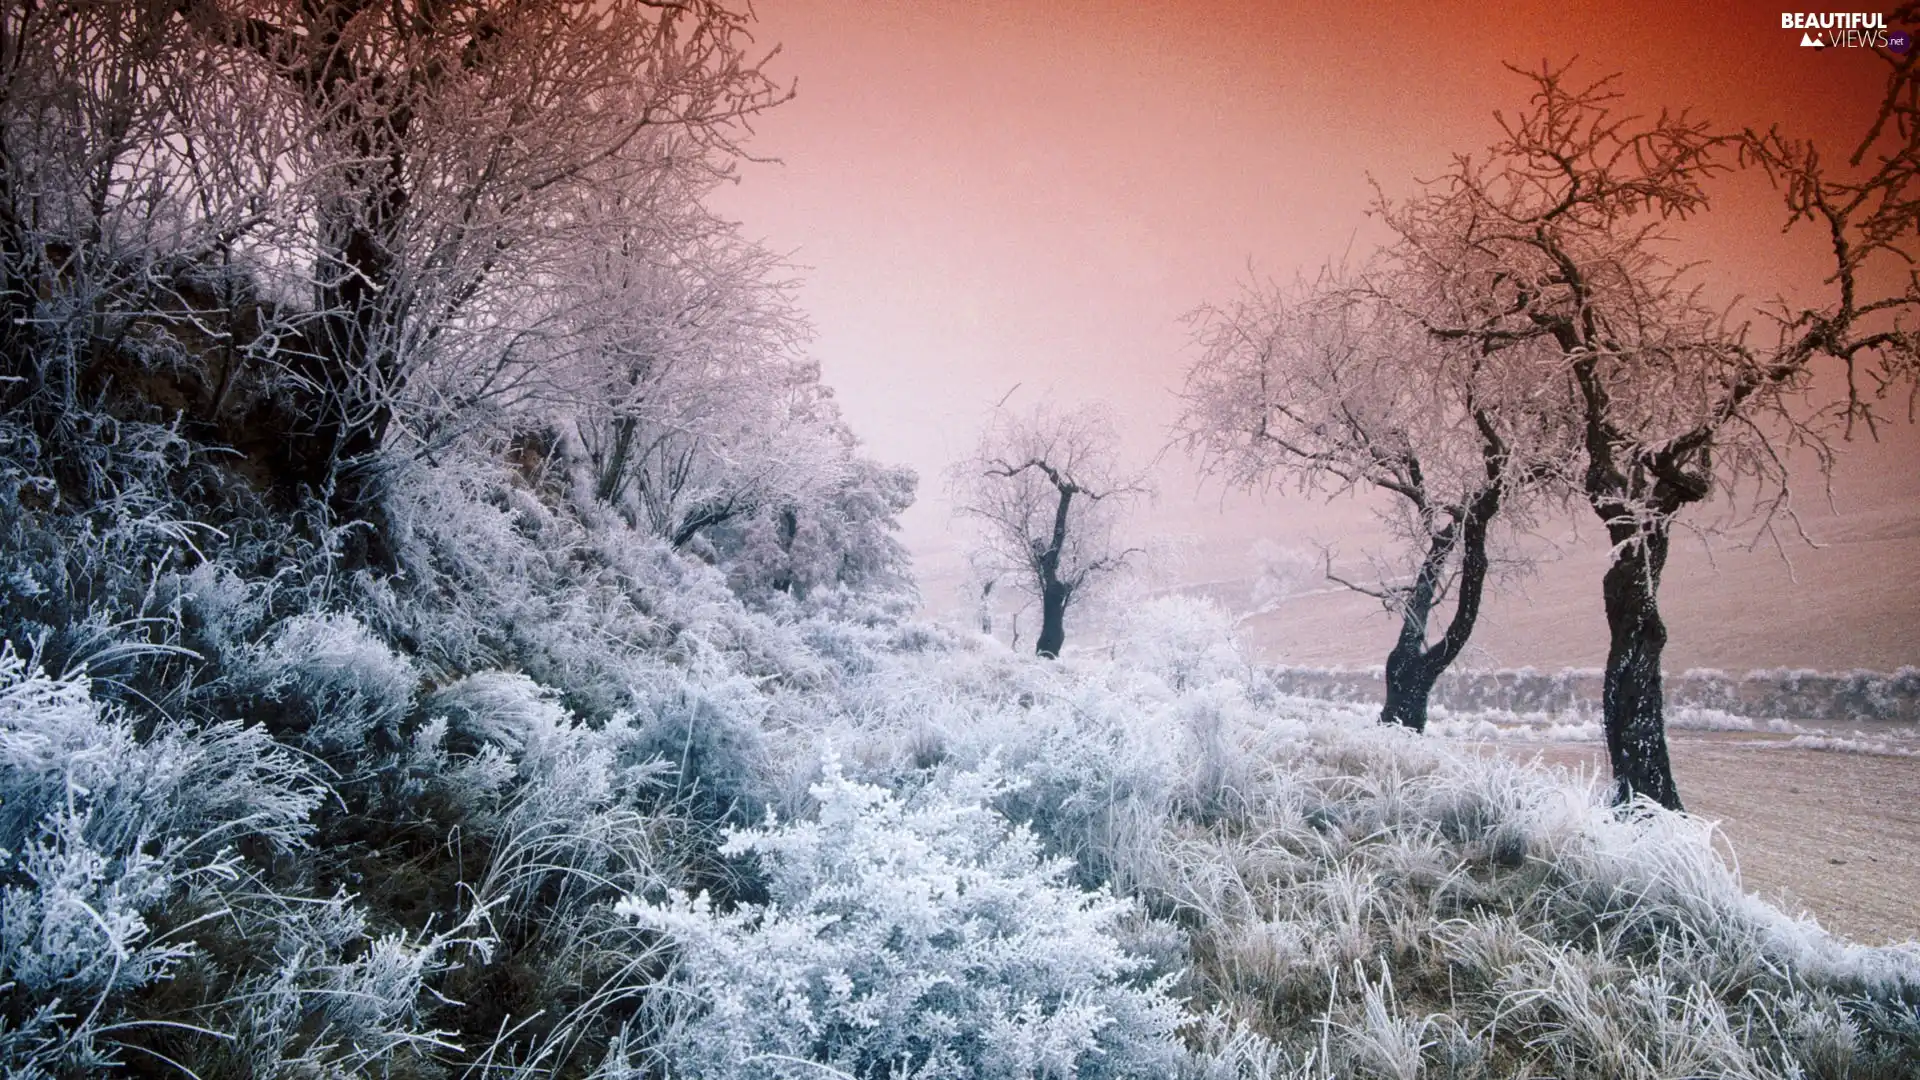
1361,901
452,824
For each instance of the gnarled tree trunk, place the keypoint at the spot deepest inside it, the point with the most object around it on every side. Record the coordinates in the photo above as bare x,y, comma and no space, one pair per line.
1636,495
1413,666
1632,700
1054,593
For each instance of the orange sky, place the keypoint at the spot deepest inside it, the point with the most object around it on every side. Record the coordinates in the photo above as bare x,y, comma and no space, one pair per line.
988,193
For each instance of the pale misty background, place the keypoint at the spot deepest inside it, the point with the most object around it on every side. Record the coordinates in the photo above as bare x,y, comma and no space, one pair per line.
987,198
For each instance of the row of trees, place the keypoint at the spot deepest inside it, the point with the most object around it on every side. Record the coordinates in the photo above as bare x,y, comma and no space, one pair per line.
337,236
1522,343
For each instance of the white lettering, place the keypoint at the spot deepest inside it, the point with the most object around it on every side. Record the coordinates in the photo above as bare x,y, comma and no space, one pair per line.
1833,20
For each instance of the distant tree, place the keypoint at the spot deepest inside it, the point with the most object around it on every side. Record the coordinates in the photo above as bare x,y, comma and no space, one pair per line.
1550,241
1047,489
685,381
1329,387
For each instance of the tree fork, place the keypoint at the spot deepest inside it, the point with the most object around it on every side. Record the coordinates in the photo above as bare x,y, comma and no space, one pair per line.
1413,667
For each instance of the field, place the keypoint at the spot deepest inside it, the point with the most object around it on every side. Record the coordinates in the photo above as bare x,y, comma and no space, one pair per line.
1836,834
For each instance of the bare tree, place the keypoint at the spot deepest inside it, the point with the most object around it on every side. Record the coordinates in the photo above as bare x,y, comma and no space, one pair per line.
1329,386
325,228
440,157
1048,488
121,230
1550,240
685,380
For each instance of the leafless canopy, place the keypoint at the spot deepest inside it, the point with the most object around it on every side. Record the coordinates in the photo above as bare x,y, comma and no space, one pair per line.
1552,238
1048,489
378,206
1547,246
1330,386
1334,386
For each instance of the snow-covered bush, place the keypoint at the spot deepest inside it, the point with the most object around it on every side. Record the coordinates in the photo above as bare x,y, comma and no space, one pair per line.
1186,641
844,538
333,681
106,839
1385,905
921,935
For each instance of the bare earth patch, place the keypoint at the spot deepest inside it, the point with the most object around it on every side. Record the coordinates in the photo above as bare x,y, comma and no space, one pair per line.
1833,834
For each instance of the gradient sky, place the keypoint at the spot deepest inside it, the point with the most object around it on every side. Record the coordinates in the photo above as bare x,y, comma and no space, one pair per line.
987,194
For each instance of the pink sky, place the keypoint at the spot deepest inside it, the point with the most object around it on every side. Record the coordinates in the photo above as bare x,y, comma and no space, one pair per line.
988,194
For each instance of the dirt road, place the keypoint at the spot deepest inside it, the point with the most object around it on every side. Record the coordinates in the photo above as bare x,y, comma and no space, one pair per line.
1835,834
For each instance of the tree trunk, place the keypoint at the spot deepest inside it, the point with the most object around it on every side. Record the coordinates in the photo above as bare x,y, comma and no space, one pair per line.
1053,621
1410,677
1054,593
1409,683
1413,667
1631,699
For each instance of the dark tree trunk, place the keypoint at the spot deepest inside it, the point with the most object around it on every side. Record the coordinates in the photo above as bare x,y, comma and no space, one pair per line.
357,367
1055,594
1631,700
1053,621
347,362
1414,666
613,469
1409,683
1636,493
1409,675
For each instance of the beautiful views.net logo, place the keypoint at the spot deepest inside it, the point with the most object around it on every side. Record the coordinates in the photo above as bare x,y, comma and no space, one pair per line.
1846,30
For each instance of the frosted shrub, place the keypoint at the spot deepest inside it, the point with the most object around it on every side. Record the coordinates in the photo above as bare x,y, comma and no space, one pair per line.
101,833
334,681
1184,640
1505,921
323,996
606,615
86,525
570,810
62,753
508,711
921,936
705,728
1097,783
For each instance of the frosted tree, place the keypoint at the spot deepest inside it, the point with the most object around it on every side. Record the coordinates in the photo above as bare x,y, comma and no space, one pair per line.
119,221
842,537
438,160
1331,388
680,384
1550,240
685,382
1048,489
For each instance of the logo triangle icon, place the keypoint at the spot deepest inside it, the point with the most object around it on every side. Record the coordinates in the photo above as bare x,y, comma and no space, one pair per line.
1808,41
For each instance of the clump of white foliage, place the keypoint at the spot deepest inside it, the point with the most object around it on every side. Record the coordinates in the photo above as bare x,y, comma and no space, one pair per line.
1358,901
915,934
122,856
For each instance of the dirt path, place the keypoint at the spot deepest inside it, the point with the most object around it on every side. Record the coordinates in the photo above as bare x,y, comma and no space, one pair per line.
1835,834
